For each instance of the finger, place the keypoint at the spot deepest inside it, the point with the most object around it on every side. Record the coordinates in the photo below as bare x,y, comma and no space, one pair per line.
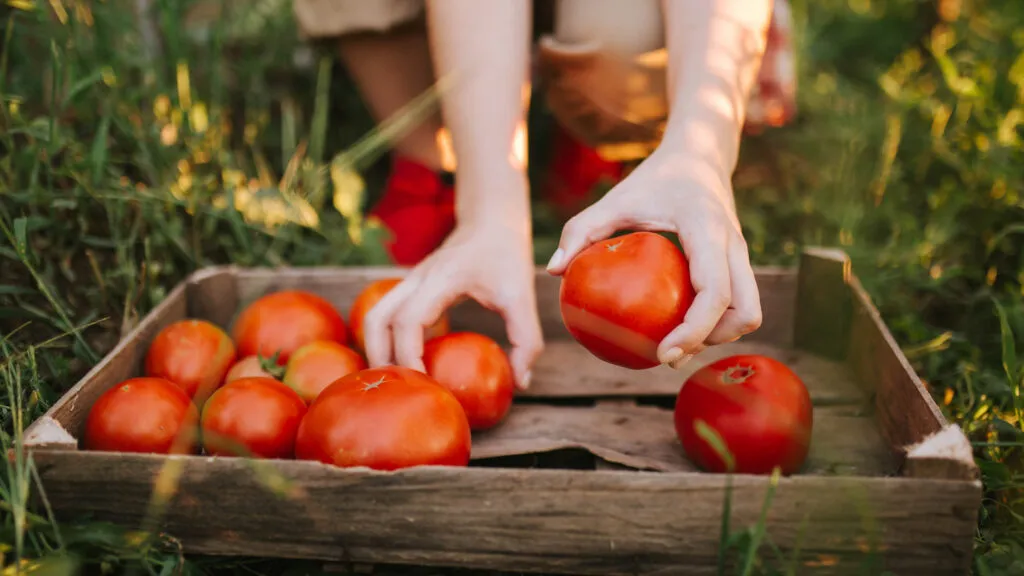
589,226
744,315
418,312
523,327
377,323
709,274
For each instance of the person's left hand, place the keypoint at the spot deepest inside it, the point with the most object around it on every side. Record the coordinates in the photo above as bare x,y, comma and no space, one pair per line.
683,193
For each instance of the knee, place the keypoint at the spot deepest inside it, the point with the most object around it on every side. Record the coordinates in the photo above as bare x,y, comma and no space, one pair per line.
627,27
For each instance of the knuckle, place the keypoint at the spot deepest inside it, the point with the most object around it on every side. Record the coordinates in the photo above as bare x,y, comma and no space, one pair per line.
573,228
720,297
405,322
749,319
740,242
373,320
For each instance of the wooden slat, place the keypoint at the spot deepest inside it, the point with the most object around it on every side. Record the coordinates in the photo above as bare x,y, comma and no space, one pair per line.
123,362
906,412
566,369
577,522
822,323
212,295
844,440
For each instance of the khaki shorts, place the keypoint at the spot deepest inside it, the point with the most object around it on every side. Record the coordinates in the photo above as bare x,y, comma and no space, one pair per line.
617,105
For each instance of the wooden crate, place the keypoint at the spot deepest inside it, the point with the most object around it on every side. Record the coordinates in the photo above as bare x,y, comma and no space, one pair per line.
586,475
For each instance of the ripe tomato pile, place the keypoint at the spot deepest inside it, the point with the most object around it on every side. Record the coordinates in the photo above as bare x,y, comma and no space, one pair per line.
289,380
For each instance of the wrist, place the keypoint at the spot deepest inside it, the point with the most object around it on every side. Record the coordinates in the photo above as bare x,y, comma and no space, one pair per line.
705,132
493,203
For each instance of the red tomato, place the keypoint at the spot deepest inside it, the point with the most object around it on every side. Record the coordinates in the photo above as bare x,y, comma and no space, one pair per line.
372,294
281,322
758,406
620,297
317,364
194,354
248,367
255,415
143,415
477,371
385,418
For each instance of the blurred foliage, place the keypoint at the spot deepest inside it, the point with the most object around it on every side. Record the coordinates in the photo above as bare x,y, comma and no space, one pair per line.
128,160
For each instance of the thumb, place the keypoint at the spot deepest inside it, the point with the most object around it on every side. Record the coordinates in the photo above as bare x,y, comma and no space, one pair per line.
591,225
524,333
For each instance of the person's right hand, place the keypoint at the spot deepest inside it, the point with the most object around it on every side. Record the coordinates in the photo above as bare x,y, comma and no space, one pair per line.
487,261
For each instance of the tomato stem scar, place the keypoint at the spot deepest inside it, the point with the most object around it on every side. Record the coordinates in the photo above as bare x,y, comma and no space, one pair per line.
737,374
373,385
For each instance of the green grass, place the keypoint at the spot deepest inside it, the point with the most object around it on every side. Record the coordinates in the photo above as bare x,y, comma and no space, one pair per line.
120,173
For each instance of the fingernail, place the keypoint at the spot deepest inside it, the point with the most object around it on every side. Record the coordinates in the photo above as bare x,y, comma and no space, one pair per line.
526,380
681,361
556,259
672,355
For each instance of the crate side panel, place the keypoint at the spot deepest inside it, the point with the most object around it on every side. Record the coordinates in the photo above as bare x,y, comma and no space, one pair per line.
905,410
822,319
212,295
566,521
123,362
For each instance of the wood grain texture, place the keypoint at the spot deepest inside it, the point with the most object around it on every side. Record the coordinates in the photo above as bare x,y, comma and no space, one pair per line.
212,294
822,320
123,362
567,370
845,440
576,522
905,410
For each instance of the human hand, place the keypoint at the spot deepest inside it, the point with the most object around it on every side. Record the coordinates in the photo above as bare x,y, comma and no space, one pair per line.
686,194
486,261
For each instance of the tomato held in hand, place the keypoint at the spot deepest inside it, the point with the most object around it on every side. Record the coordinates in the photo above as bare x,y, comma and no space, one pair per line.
149,415
372,294
385,418
281,322
759,408
252,416
620,297
317,364
194,354
249,367
477,371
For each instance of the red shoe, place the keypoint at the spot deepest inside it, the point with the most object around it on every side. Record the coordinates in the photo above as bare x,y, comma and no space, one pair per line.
576,170
418,207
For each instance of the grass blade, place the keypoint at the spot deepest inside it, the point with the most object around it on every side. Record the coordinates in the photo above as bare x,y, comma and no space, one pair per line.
759,528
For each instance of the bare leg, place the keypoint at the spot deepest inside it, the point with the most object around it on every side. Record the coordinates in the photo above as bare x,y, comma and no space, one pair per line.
391,69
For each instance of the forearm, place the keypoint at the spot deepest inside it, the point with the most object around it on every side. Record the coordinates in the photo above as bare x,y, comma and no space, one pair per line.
485,47
714,51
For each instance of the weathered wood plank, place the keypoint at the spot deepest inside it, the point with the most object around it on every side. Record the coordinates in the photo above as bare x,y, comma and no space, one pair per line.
906,412
822,321
123,362
844,440
578,522
567,370
212,294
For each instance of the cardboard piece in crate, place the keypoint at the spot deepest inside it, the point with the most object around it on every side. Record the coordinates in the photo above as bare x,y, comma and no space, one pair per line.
586,475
